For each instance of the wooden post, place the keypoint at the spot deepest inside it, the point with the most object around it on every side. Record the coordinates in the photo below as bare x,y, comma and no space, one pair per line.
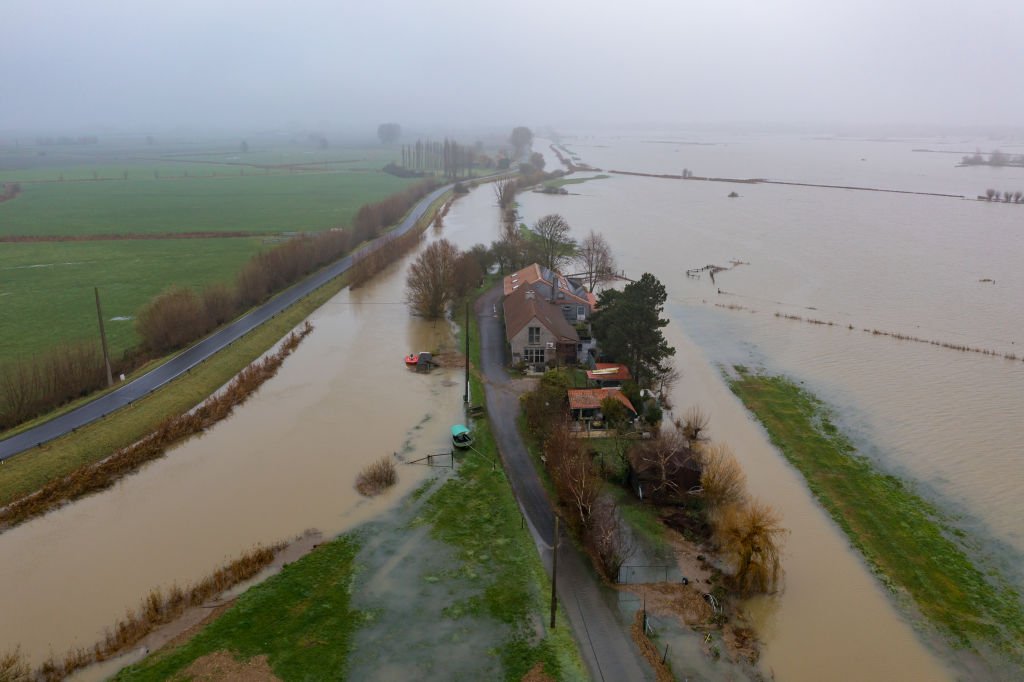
103,337
554,573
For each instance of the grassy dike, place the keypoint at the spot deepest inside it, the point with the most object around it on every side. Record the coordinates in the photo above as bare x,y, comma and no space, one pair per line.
301,619
29,471
901,535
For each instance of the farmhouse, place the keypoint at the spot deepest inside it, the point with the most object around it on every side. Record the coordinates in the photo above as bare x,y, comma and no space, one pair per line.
536,330
571,297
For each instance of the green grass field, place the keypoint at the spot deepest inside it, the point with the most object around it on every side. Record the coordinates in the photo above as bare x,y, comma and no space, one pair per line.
46,289
900,534
279,202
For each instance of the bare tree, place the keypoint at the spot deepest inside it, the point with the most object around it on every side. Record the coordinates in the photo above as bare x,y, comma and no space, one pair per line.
611,543
722,478
990,193
750,535
430,284
505,191
573,473
662,457
1016,196
695,423
665,379
595,258
555,247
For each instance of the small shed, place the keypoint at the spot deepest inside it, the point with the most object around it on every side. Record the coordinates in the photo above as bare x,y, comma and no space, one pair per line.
585,403
609,374
663,475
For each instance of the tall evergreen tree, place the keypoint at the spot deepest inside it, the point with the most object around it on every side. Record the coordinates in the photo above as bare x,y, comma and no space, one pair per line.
628,326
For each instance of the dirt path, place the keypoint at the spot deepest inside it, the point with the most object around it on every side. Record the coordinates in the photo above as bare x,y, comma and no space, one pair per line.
604,641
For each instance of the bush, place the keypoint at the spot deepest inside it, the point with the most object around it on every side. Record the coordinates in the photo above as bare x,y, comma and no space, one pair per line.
377,477
39,384
171,320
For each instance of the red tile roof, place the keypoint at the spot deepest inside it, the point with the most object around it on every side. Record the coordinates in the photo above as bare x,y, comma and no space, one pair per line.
590,398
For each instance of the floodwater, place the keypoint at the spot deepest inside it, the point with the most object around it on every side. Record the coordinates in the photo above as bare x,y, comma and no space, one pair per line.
949,421
286,461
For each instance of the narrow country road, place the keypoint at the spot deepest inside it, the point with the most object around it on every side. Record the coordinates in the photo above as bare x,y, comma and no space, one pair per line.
183,362
607,649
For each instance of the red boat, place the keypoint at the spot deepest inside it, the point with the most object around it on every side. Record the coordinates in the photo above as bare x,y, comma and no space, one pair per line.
412,359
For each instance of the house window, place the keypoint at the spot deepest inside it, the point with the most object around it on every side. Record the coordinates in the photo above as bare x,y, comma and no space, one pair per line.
533,356
535,335
581,313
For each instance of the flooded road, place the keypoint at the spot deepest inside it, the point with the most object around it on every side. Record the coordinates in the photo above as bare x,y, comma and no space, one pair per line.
285,462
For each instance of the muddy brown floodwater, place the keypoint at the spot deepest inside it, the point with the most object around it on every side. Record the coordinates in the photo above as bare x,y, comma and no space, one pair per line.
285,462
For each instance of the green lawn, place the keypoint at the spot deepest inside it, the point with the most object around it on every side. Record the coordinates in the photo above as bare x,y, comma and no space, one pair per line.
256,202
900,534
301,619
46,289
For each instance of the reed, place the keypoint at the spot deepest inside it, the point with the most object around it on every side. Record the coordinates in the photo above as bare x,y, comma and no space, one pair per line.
156,608
96,477
377,477
961,347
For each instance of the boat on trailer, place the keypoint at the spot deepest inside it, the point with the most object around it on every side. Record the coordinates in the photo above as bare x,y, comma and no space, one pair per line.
422,359
461,436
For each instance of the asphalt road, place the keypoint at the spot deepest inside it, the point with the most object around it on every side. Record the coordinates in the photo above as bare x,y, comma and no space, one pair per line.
183,362
604,642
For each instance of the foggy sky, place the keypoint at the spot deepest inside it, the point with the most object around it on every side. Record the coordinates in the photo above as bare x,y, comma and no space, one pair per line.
141,64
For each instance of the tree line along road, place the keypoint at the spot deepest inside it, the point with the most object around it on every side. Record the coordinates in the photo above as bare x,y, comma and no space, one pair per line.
186,360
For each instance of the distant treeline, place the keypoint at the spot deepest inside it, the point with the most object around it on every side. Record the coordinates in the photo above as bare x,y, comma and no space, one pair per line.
179,316
64,140
449,157
995,158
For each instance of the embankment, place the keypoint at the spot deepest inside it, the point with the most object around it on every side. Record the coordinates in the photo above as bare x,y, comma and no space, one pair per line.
902,537
764,181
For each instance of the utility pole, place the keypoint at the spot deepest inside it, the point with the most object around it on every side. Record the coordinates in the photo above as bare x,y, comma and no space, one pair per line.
554,572
465,394
103,338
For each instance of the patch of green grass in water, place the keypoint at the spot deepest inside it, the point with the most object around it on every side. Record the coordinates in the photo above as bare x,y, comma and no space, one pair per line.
301,619
901,535
476,513
561,182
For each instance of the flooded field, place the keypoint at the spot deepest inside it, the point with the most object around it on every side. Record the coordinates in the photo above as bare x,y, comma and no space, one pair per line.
941,418
947,420
286,461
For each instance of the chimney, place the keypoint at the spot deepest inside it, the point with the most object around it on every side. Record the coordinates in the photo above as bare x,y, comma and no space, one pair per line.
529,294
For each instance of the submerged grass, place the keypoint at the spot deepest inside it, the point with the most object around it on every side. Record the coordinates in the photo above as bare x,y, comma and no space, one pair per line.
476,513
301,619
901,535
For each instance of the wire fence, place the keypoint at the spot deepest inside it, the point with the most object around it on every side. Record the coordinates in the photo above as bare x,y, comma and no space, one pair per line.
649,573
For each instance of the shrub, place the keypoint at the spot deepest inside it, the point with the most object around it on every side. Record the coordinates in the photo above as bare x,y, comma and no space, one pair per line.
750,537
722,478
377,477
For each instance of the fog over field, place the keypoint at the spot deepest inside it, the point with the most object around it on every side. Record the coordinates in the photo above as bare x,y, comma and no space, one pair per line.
255,63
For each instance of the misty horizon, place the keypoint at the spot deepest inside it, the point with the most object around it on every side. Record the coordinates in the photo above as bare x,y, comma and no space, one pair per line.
240,67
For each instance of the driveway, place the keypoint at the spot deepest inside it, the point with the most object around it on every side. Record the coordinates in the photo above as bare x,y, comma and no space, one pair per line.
604,641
